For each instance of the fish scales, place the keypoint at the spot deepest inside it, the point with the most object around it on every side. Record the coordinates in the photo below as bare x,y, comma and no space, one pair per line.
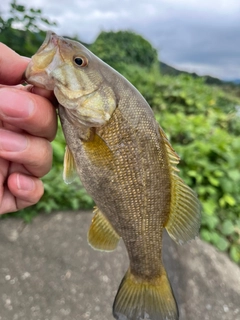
125,178
135,191
126,164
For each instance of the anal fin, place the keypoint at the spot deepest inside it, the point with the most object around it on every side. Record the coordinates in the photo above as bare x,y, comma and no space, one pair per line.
101,235
185,216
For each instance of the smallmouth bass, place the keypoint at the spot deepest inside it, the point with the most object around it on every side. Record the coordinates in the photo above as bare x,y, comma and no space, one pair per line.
126,164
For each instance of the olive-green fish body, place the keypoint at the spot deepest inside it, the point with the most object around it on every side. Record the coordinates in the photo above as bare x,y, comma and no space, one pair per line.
126,164
124,171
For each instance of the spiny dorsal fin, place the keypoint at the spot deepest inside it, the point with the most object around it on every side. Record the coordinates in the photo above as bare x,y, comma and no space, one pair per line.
173,156
69,168
101,235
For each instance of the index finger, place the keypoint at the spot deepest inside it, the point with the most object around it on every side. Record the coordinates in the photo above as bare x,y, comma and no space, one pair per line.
12,66
27,111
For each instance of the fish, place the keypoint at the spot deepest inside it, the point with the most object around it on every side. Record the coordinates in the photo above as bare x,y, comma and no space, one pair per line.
127,165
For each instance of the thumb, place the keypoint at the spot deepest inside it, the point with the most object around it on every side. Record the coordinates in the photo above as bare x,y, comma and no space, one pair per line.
12,66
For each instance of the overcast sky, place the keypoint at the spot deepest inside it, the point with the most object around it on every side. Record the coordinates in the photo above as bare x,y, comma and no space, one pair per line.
200,36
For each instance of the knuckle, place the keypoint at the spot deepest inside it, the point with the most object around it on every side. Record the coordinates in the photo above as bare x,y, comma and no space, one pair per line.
41,160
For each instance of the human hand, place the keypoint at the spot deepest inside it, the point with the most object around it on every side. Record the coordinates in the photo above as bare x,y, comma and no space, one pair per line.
27,125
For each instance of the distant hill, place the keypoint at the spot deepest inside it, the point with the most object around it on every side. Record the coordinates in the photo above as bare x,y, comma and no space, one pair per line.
232,87
168,70
236,81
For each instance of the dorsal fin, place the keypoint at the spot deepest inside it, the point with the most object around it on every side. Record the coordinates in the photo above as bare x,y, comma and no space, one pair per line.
185,217
173,156
185,212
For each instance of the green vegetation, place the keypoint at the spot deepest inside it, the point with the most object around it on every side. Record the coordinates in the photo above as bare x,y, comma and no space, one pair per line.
168,70
201,121
21,31
124,48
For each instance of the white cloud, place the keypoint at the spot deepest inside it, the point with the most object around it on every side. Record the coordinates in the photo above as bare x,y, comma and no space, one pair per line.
200,35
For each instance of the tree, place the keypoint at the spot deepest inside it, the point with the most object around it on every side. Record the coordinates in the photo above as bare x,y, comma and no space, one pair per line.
124,47
22,31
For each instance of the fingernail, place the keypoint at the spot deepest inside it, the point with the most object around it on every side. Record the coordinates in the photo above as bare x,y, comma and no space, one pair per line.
10,141
15,103
25,183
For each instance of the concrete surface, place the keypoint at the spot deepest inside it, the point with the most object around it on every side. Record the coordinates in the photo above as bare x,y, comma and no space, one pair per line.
49,272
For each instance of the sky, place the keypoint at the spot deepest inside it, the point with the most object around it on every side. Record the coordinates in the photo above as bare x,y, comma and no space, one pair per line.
201,36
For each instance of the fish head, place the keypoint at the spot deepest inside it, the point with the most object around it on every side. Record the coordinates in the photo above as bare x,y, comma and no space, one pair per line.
73,73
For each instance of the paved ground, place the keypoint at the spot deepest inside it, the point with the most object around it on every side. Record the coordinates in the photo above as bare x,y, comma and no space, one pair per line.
48,272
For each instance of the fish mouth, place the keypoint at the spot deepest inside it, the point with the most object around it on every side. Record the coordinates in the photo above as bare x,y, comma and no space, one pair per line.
51,38
54,42
38,68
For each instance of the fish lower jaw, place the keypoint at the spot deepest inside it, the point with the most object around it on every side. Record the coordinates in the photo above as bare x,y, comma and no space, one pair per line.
36,83
40,81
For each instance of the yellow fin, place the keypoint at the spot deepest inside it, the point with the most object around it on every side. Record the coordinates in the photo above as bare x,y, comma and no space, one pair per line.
173,156
101,235
139,299
98,151
69,169
185,216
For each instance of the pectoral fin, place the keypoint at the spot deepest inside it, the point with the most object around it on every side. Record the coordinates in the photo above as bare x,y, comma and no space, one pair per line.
185,217
101,235
98,152
69,169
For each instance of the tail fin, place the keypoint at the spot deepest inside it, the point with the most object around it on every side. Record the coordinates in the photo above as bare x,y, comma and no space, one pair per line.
139,299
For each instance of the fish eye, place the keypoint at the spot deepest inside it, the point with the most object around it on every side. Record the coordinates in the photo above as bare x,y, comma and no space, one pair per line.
80,61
